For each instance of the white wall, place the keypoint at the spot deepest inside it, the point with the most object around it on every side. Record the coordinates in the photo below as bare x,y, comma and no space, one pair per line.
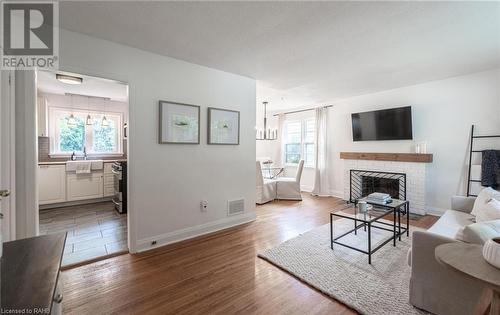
167,182
26,155
443,112
79,102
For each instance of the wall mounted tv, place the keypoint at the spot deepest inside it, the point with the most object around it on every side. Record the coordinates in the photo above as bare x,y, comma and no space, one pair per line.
386,124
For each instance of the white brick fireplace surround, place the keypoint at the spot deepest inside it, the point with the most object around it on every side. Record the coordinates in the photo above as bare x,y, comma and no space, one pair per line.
415,178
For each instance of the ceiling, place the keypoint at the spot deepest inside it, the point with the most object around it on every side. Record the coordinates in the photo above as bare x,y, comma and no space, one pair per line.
306,53
91,86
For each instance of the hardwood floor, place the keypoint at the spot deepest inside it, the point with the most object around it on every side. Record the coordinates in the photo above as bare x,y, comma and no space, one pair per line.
217,274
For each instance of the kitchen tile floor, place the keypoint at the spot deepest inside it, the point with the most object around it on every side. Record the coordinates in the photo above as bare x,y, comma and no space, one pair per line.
94,230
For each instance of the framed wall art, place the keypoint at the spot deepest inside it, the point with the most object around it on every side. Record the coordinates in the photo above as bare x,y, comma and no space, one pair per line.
179,123
223,126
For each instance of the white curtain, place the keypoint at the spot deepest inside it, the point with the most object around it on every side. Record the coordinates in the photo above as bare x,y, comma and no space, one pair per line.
280,142
321,180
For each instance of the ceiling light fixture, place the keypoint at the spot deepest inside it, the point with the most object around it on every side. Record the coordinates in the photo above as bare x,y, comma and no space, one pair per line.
104,121
266,133
88,121
68,79
71,119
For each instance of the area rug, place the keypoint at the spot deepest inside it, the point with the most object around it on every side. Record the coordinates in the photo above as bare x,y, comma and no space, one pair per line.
344,274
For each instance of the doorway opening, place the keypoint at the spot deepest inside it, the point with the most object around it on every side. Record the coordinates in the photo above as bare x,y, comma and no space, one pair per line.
82,163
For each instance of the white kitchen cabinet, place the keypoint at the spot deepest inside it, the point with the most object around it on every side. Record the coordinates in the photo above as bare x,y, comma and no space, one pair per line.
109,191
85,186
51,184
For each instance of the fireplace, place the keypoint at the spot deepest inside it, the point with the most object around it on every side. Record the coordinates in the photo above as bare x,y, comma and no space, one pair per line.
411,175
363,183
371,184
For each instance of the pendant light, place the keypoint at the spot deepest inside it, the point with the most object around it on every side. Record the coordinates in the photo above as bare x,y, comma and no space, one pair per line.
88,121
266,133
104,121
71,119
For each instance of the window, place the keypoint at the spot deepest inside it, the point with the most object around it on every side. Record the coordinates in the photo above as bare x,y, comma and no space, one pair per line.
299,141
292,142
97,139
309,146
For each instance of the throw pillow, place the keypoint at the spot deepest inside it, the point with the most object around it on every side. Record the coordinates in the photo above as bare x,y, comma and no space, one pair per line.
479,233
483,198
490,211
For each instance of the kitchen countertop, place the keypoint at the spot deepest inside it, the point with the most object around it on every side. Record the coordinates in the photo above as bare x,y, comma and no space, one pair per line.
30,269
64,162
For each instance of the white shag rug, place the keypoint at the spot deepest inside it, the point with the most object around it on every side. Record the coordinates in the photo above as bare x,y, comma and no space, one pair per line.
344,274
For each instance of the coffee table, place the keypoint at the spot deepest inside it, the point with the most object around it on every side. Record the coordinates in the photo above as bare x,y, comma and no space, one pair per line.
401,207
367,221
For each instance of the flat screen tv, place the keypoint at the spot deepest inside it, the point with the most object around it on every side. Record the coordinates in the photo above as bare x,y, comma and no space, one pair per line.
386,124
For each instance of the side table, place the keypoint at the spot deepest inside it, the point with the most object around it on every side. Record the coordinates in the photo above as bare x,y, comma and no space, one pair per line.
468,260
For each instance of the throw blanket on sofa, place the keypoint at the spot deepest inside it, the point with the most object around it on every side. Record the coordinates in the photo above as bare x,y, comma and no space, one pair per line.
490,168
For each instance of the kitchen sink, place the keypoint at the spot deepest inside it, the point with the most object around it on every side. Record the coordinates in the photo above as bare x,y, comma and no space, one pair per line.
96,165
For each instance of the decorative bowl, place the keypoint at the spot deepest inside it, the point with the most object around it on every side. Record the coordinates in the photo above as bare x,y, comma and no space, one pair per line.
491,251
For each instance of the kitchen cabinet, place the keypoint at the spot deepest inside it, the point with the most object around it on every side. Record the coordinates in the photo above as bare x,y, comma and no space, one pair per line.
109,180
84,186
58,185
51,184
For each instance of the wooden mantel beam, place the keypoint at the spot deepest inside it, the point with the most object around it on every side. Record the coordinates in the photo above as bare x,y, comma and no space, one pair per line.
397,157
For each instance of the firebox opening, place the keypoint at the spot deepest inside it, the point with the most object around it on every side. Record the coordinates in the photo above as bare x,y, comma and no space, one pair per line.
371,184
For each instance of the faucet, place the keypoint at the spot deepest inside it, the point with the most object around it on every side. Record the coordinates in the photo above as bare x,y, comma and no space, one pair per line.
84,153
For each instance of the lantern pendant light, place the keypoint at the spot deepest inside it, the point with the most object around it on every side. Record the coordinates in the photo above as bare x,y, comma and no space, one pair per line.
104,121
71,119
89,119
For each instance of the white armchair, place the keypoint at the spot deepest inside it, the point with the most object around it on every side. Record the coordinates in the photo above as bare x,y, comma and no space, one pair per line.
266,188
289,187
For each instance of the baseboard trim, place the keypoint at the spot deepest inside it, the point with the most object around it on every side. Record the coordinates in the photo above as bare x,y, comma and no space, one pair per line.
194,231
73,203
337,193
306,188
434,211
334,193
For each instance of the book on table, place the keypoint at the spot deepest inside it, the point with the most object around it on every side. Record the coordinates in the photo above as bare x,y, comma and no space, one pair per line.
378,197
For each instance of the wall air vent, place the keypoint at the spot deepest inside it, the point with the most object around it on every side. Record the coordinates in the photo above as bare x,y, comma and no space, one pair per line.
235,207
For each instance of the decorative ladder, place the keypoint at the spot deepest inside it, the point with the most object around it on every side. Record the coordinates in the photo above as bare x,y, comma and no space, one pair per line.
471,150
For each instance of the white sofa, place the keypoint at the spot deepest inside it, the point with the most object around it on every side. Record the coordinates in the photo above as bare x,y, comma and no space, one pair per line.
433,287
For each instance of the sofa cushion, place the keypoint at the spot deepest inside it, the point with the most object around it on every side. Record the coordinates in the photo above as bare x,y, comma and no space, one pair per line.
483,198
451,223
479,233
489,211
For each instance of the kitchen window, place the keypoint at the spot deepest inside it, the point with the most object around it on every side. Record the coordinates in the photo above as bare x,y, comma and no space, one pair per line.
72,133
299,141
